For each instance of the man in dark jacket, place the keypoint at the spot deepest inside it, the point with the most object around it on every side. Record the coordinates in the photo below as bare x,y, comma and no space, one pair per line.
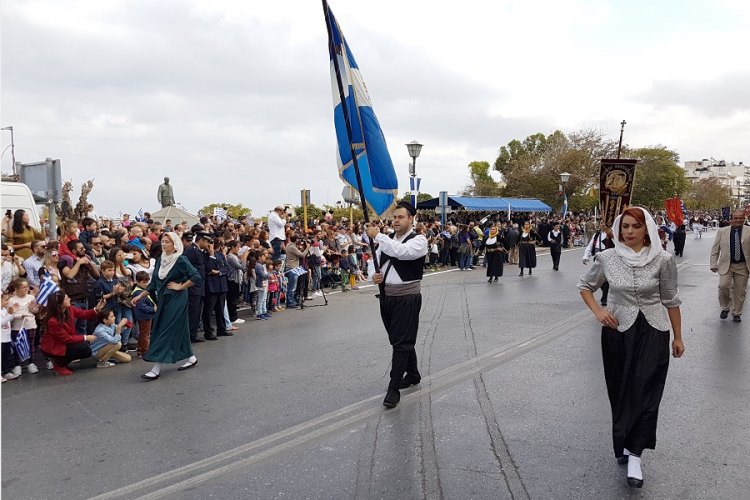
196,293
216,290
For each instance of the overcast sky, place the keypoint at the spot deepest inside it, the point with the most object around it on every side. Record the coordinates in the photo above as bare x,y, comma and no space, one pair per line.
232,99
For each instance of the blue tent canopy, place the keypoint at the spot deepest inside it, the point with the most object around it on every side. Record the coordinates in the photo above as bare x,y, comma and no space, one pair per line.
479,203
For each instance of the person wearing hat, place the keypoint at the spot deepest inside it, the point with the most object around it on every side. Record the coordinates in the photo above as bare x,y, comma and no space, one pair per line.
197,292
401,256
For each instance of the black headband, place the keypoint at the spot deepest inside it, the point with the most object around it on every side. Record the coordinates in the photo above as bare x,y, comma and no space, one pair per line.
408,207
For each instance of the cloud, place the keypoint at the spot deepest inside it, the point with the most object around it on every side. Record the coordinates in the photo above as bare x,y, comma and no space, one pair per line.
719,97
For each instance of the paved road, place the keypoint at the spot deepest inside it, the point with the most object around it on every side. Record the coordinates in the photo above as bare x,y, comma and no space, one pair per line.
512,405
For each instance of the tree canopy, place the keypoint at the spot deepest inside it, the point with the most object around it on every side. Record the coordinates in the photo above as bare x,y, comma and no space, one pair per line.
482,183
532,167
234,211
707,194
657,176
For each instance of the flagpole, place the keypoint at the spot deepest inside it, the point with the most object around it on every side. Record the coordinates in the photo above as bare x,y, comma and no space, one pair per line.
349,134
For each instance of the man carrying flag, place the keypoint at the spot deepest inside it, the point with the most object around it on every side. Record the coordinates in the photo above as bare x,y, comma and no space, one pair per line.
402,259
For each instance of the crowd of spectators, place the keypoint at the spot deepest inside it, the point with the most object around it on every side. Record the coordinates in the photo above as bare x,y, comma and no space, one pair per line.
264,267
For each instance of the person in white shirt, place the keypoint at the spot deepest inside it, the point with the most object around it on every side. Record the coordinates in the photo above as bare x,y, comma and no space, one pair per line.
35,262
600,242
401,257
276,233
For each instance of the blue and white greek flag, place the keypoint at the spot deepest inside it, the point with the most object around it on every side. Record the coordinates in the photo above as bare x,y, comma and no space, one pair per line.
47,288
375,166
297,271
565,205
139,217
20,345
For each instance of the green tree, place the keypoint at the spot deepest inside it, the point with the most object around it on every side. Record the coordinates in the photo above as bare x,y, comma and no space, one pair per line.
313,212
234,211
420,197
707,194
657,176
482,183
532,167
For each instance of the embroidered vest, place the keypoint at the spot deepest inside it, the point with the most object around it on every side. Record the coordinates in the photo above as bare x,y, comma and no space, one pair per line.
408,270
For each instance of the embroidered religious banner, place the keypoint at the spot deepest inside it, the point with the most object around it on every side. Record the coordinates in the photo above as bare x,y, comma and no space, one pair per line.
616,178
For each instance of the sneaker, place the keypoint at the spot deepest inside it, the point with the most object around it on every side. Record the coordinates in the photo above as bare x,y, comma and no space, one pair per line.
239,321
261,317
32,368
104,364
10,376
17,371
49,365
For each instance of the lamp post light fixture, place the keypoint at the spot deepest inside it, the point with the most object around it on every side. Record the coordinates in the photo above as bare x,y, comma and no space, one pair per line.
414,149
13,147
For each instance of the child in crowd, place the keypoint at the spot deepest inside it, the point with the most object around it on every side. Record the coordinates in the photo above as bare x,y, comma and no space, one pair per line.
7,354
106,287
344,269
24,308
108,340
252,290
273,285
261,282
434,253
353,269
143,313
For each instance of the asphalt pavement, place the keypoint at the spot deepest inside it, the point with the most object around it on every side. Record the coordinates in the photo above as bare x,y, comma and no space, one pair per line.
512,404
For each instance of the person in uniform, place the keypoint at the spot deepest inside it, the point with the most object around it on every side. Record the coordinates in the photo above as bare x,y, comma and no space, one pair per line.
401,257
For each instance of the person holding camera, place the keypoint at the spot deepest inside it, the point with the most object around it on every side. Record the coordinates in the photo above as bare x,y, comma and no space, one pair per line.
12,266
277,234
76,277
20,235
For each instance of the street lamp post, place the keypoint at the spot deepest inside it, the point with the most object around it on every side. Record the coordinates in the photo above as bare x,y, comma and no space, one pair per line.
12,147
564,178
414,148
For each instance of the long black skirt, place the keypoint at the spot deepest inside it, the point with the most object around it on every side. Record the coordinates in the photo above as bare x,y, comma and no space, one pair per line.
635,369
526,255
494,263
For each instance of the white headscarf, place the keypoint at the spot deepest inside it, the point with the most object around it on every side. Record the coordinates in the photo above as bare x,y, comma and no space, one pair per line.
647,253
168,261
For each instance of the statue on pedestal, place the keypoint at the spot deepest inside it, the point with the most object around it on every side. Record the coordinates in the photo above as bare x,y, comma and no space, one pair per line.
165,196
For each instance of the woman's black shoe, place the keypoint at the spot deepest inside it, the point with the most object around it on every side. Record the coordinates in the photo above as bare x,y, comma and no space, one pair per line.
622,460
521,273
148,378
635,483
495,279
530,272
187,366
489,280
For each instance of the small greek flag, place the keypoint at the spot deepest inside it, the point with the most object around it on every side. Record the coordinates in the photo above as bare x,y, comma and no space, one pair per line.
47,288
565,206
21,345
298,271
139,217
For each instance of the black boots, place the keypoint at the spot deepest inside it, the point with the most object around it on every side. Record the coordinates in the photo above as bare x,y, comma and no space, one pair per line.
401,361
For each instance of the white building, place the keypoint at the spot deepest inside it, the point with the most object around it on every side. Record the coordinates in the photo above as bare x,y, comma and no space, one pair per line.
735,176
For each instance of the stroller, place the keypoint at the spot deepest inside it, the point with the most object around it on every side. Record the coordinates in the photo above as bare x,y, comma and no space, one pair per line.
329,278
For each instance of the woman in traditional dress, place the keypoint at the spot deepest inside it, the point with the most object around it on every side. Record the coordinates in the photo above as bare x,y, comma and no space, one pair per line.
635,333
494,253
527,248
170,336
555,239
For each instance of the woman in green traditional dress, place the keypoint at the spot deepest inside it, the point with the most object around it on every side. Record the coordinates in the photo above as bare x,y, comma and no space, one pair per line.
170,336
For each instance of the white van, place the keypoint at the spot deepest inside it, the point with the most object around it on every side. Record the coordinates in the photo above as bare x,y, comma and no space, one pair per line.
15,195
